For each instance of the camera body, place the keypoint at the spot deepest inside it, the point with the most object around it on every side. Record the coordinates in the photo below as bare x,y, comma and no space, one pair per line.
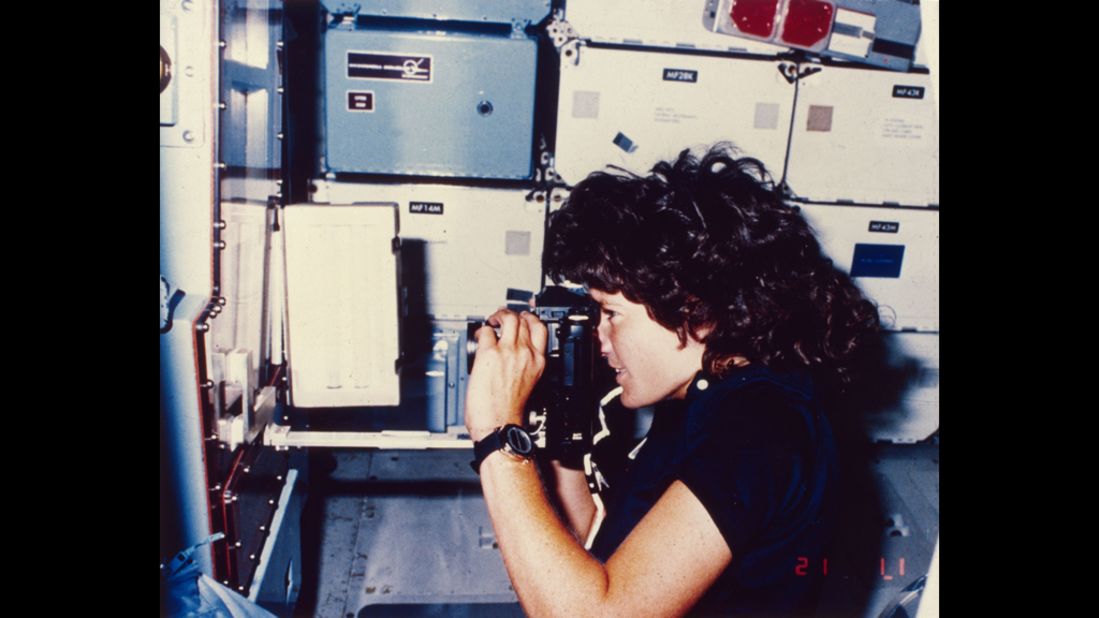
563,407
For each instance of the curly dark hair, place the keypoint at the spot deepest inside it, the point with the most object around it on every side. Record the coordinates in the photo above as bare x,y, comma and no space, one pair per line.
713,251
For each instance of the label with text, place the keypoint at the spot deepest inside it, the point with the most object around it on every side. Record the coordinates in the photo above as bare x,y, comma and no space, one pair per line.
425,208
680,75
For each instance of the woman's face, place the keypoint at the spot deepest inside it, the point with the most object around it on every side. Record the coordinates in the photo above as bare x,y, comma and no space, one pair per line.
650,363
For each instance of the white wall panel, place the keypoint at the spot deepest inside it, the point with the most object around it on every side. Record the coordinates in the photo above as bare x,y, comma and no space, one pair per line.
610,94
907,302
856,138
916,415
243,282
342,310
483,242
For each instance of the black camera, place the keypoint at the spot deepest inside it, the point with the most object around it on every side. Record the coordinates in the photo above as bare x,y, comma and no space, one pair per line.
563,407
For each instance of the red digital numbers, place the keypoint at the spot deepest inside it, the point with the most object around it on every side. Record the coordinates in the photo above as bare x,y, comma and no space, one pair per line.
803,568
889,577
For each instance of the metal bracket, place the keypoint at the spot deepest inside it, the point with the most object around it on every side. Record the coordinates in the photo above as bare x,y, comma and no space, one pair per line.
236,430
165,311
345,15
282,438
169,299
519,28
792,72
559,30
545,174
570,53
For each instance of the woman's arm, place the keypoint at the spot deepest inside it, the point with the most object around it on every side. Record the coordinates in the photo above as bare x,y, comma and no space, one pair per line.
575,499
669,560
662,568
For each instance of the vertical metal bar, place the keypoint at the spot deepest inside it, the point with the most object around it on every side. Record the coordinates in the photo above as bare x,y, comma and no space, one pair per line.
187,236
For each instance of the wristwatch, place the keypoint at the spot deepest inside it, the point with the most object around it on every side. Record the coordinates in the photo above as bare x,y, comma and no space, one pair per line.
511,439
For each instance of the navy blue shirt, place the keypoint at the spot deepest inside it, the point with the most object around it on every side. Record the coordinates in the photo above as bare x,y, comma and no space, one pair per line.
758,453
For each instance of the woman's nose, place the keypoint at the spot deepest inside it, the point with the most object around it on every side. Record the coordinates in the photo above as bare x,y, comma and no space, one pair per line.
604,339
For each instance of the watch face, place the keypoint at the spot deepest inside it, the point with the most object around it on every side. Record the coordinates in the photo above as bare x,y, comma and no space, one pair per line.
519,441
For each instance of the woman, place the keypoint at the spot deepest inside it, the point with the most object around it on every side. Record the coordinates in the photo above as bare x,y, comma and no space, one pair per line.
718,305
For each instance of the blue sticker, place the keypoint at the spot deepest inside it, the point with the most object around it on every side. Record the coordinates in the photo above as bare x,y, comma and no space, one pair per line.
625,143
877,261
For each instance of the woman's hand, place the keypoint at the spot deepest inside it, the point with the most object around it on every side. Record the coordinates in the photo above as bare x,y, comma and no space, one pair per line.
504,371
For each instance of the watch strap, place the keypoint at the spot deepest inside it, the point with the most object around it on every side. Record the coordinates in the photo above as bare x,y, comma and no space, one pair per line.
485,447
495,441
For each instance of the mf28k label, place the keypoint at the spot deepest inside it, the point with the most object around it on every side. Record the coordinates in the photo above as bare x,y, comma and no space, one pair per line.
680,75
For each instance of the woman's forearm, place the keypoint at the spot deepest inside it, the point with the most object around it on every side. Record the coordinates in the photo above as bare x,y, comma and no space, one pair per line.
550,570
574,498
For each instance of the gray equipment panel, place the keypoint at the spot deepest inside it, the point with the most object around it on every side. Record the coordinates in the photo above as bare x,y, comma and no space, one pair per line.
429,103
655,23
880,33
496,11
